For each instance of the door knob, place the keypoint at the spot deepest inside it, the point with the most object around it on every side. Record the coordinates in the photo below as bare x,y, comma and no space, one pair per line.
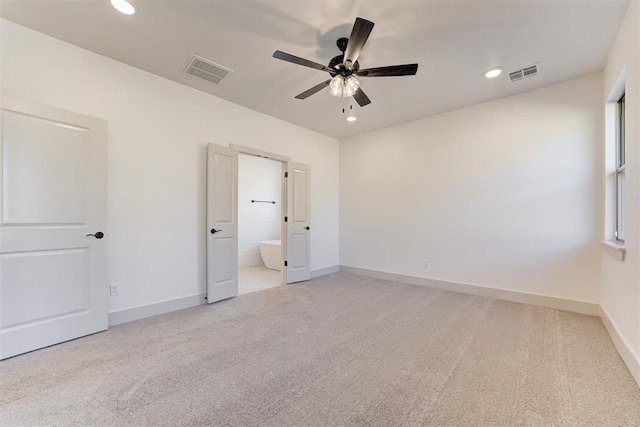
307,228
98,235
214,231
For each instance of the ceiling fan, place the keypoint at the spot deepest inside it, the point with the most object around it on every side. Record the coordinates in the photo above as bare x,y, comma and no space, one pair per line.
345,67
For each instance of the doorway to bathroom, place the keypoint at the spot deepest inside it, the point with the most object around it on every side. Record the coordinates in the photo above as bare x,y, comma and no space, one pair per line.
222,205
260,188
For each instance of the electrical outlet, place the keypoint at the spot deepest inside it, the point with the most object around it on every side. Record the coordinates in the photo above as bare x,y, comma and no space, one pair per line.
426,263
114,289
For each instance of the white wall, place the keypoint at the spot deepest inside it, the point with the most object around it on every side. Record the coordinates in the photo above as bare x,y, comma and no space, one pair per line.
502,194
621,279
158,132
258,179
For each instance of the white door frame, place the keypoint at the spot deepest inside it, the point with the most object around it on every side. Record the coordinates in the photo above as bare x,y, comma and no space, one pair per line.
284,161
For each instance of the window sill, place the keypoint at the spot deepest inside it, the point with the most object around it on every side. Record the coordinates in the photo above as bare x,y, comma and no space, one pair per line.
616,247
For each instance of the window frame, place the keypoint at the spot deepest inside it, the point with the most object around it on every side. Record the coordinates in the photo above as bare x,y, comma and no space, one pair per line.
620,175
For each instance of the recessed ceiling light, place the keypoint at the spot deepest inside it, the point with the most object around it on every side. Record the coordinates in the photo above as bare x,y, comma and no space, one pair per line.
350,116
349,112
124,6
494,72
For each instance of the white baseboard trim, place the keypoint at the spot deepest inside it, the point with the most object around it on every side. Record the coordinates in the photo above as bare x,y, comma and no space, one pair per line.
324,271
144,311
502,294
630,358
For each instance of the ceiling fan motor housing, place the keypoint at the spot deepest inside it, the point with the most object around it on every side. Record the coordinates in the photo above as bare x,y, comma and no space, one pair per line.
336,63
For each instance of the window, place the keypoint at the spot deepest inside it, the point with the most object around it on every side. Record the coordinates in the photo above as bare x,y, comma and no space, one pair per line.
620,170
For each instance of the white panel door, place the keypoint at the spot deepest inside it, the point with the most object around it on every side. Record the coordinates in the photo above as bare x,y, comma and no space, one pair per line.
298,267
222,223
53,261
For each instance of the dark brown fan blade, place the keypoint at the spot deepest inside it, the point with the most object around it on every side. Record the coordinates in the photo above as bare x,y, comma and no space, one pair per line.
300,61
315,89
361,98
359,35
392,70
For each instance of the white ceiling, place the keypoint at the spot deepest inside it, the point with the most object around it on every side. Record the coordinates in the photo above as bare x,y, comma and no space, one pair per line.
453,41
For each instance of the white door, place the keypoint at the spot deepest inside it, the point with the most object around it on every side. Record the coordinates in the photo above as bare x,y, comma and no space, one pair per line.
298,262
53,276
222,223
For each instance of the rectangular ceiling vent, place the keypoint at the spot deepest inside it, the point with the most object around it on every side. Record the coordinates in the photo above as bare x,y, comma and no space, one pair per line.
525,73
515,75
207,70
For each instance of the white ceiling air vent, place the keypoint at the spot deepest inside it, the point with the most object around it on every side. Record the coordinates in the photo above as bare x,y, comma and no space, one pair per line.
514,76
207,70
525,73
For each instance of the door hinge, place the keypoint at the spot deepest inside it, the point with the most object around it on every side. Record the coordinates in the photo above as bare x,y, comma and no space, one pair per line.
285,263
285,219
286,174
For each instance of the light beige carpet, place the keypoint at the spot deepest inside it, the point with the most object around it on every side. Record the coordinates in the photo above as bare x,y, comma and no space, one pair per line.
339,350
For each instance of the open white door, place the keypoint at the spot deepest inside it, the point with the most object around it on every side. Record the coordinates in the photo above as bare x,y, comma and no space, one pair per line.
298,259
53,257
222,223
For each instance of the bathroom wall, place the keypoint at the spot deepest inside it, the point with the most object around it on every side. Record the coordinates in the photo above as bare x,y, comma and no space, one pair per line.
258,179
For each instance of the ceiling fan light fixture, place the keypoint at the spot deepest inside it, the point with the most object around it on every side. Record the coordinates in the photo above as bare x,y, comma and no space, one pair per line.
493,73
124,6
351,85
336,87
